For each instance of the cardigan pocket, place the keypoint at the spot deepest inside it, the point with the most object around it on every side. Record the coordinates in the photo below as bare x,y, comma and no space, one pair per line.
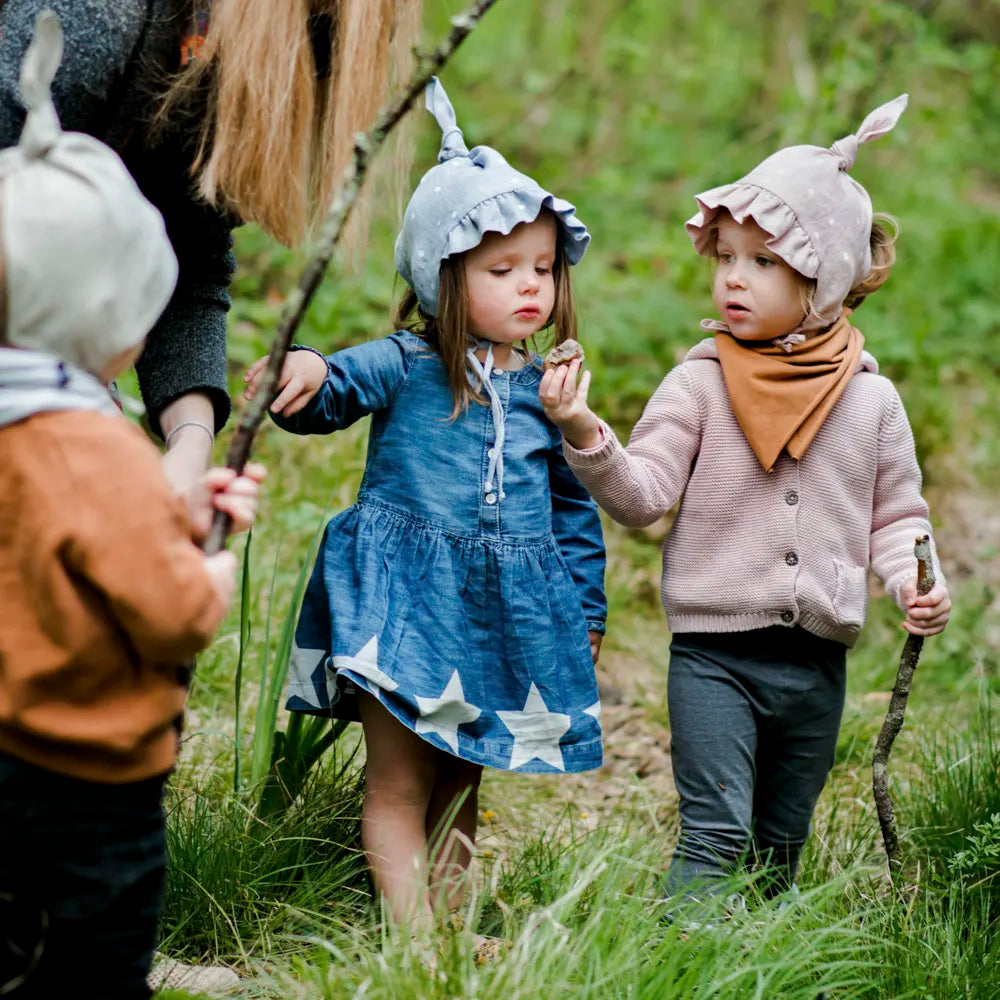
850,600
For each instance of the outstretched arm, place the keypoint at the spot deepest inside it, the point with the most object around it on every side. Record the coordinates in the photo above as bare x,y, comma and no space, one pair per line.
317,394
638,484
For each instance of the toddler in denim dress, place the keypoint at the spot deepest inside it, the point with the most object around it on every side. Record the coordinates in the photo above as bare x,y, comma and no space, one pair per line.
459,603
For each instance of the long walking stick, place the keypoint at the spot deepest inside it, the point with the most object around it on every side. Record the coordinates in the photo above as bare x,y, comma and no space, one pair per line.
894,720
366,145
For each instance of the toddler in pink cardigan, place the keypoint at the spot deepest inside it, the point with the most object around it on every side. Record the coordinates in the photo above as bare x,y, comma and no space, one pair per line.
794,467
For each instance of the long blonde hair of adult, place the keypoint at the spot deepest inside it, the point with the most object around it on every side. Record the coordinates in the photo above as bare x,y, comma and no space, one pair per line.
276,137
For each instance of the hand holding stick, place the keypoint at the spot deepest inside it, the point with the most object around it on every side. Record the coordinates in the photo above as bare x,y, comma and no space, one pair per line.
894,718
366,145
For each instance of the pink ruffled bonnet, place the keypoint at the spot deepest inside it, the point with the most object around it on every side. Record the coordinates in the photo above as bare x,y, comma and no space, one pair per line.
818,217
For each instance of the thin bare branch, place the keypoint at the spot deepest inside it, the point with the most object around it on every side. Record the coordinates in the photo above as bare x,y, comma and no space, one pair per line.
894,721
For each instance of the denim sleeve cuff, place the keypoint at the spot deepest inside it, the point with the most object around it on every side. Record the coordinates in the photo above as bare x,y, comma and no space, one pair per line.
596,626
306,347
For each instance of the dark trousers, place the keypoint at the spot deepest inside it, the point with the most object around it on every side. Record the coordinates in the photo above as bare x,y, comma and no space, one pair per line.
81,884
754,718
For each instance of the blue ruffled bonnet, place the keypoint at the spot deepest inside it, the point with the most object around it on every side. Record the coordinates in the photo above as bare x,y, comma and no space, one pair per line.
467,194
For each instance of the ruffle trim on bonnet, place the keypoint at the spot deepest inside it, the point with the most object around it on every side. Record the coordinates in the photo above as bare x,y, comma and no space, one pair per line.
817,216
504,212
743,200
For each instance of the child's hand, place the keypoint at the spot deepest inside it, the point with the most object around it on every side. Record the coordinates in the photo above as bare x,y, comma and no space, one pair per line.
926,615
596,638
565,404
222,569
221,489
302,375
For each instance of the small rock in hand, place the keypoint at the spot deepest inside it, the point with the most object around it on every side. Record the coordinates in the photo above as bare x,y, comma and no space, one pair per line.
563,354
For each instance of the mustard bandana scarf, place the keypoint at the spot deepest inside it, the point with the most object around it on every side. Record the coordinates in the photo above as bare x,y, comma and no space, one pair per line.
780,396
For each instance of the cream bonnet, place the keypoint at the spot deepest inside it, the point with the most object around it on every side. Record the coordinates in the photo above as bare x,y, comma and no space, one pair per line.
818,217
467,194
89,267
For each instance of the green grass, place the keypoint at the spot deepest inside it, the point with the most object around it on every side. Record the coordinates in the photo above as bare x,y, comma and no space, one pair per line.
239,886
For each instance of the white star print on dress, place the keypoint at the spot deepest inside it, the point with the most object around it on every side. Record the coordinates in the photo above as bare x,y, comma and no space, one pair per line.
537,732
594,711
303,663
366,664
445,714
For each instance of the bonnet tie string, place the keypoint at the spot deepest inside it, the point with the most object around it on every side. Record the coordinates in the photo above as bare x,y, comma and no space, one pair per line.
482,369
787,342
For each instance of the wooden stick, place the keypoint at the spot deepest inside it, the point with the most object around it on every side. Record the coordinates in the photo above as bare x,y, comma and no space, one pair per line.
366,145
894,719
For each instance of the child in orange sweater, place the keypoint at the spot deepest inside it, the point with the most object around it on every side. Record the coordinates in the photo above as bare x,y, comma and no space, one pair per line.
103,591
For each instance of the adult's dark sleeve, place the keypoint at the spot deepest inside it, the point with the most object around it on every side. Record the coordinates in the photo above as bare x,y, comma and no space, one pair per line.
100,41
186,349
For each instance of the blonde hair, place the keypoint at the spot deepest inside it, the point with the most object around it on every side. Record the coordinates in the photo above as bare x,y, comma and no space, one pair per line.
278,130
882,242
885,232
448,332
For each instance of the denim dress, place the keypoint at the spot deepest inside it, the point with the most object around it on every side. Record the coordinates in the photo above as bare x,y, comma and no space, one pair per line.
460,602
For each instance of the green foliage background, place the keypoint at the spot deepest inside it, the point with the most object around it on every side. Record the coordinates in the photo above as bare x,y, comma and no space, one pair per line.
627,108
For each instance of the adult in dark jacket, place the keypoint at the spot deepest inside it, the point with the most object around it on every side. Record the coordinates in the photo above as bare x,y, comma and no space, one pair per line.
224,111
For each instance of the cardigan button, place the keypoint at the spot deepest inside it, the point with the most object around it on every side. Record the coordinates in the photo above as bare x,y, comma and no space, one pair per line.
791,498
791,558
787,616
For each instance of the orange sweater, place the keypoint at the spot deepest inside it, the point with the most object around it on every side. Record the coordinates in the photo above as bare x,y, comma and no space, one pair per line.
102,595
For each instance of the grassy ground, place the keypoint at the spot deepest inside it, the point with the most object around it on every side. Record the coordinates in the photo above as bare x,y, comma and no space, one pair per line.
628,109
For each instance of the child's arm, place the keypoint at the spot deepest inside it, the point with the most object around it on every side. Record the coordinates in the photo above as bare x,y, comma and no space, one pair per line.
130,539
899,516
639,484
319,394
577,529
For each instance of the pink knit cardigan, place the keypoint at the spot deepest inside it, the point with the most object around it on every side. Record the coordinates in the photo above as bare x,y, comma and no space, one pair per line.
749,549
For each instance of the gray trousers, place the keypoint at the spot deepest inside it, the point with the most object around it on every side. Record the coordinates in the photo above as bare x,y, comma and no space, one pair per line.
754,718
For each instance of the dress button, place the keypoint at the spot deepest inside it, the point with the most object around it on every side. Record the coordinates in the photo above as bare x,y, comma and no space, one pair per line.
791,498
491,452
491,498
498,371
791,558
787,616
